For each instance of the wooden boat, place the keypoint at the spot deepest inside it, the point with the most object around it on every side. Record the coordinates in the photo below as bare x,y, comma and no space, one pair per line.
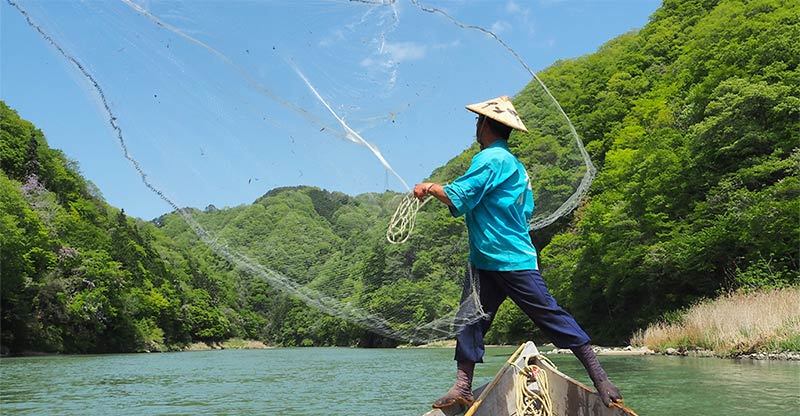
568,396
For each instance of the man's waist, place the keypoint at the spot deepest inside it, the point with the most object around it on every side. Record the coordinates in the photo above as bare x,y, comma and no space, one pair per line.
506,263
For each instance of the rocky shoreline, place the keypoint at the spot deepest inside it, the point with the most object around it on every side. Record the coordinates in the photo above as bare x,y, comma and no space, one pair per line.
550,349
699,353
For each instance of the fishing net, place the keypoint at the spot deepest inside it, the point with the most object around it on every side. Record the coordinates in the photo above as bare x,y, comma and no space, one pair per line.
219,104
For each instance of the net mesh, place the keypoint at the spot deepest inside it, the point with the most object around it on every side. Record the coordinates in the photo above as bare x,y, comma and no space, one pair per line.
225,102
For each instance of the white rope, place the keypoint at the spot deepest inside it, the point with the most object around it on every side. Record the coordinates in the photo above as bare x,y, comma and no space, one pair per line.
405,216
532,391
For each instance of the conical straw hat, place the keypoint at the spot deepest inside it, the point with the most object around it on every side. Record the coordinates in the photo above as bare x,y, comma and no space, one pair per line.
499,109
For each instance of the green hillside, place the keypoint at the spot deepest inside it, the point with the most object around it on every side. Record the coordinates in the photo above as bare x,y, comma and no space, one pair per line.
78,275
692,122
694,125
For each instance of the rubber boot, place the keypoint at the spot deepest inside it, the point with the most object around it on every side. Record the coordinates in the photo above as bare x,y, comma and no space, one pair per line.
461,392
608,391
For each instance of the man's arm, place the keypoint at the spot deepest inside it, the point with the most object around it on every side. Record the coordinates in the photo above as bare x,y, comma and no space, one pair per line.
465,192
435,190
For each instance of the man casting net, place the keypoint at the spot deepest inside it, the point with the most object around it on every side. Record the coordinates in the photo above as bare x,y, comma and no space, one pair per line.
299,127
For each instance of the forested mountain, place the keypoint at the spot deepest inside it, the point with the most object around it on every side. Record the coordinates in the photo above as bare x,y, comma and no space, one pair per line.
692,122
79,275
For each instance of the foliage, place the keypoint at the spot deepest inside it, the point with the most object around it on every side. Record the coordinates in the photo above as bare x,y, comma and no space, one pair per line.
80,276
698,180
692,121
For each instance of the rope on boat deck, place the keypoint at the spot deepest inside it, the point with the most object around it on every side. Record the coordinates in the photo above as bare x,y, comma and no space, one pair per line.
532,390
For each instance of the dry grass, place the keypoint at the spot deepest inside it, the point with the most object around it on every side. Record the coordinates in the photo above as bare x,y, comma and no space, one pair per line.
733,324
243,344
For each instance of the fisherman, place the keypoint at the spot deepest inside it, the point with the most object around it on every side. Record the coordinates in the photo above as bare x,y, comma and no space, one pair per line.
496,199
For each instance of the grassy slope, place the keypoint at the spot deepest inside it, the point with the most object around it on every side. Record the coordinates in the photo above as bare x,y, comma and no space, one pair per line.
735,324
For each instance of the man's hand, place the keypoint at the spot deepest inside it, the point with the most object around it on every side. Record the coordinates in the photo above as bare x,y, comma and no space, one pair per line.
421,189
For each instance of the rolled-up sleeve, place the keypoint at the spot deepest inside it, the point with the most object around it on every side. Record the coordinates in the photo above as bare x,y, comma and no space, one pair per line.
466,191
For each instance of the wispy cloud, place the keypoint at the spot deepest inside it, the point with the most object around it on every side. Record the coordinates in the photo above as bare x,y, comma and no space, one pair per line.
500,26
397,52
522,14
335,36
367,62
404,51
390,55
550,2
453,44
512,7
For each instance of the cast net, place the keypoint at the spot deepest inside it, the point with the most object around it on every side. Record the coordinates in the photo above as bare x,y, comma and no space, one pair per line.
284,135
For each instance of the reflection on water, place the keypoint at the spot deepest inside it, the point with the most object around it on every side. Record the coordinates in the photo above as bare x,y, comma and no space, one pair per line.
313,381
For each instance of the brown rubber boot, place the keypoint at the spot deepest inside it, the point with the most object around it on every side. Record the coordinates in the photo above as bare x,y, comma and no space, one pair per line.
609,393
461,392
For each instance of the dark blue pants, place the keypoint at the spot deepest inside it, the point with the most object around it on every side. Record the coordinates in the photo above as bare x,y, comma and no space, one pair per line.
527,289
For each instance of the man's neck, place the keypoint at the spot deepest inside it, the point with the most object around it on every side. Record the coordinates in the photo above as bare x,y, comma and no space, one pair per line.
487,141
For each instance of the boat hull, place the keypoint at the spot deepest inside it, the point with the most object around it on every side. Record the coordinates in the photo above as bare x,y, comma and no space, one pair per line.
569,397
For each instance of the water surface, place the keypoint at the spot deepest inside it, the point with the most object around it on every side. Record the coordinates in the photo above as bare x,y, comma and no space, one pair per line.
343,381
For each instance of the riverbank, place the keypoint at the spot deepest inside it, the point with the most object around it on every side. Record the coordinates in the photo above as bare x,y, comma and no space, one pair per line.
629,350
760,325
229,344
547,349
695,353
754,324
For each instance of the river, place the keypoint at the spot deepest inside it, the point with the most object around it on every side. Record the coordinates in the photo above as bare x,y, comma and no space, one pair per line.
344,381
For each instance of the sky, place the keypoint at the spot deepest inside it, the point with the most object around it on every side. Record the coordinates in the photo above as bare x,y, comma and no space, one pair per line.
221,101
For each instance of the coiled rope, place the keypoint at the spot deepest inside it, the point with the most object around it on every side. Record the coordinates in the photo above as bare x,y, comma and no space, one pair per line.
532,390
404,218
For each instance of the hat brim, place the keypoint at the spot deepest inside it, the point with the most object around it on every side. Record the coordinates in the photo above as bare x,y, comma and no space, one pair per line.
501,110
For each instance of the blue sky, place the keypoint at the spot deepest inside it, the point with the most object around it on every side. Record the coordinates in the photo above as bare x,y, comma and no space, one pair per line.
223,126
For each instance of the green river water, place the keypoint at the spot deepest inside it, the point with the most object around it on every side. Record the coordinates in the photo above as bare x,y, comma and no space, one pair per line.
343,381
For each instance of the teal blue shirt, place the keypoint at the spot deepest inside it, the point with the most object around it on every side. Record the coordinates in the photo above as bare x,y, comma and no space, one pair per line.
496,199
